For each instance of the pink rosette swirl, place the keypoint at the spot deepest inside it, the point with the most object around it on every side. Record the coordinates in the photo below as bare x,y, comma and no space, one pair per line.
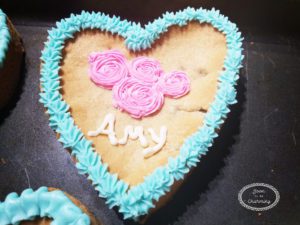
146,69
137,98
175,84
107,68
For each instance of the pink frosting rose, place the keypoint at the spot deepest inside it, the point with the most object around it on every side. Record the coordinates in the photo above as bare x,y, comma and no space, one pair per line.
139,86
146,69
137,98
175,84
107,68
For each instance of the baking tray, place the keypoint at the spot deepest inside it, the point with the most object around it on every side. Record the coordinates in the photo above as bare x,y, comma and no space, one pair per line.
258,143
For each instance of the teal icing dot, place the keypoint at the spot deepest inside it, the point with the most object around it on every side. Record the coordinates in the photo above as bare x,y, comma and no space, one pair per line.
136,201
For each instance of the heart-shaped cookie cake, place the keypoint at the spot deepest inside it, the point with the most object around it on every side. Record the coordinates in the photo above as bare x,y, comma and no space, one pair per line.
138,106
44,206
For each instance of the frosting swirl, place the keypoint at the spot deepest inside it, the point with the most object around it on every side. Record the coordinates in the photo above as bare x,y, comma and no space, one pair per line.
107,68
175,84
137,98
146,69
139,86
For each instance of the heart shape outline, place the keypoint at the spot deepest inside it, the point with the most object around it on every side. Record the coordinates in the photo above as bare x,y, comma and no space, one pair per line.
136,201
41,203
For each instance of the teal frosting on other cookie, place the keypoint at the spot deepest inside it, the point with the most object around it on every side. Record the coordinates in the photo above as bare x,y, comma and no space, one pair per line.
4,37
136,201
41,203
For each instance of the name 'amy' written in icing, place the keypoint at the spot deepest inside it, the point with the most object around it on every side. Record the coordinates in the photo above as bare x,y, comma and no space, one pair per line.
107,127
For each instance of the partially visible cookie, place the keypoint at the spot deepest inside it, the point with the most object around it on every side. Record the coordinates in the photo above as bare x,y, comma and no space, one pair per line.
44,206
11,55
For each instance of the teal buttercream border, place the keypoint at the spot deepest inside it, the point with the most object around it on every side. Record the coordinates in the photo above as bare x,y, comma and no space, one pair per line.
41,203
4,37
136,201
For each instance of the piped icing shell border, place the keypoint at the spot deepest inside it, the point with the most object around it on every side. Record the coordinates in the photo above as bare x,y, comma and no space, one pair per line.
41,203
136,201
4,37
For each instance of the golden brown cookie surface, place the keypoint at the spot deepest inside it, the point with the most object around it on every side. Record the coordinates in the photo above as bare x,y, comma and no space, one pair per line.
199,50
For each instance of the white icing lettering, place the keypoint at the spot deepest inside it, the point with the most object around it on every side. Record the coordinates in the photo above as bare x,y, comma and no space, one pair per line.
160,141
109,121
133,132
